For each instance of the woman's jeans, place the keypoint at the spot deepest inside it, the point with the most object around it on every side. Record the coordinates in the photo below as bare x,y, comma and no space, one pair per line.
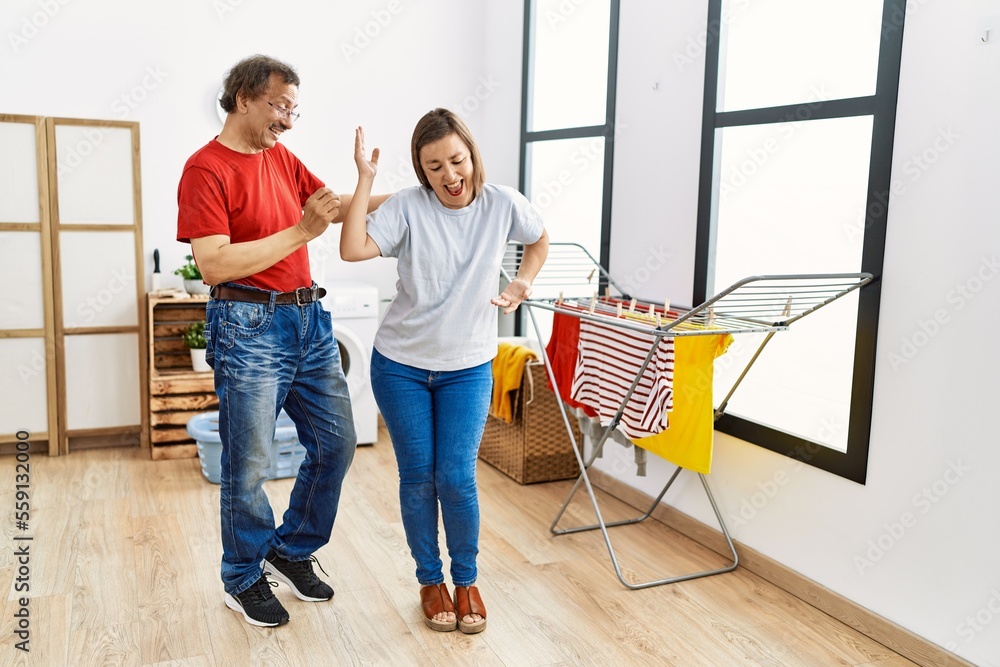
436,420
266,357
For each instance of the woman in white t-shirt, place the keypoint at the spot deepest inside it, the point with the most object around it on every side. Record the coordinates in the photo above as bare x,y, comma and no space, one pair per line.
431,367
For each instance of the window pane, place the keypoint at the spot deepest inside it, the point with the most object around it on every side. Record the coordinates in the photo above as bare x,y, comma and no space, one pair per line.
791,199
95,175
20,257
18,173
25,385
566,183
774,54
570,64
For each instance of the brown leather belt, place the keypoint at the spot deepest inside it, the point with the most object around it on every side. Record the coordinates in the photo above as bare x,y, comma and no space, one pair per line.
300,297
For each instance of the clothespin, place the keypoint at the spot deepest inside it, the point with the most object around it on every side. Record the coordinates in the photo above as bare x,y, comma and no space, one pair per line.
607,291
619,309
652,310
666,306
659,322
593,303
631,306
591,275
788,307
560,299
711,316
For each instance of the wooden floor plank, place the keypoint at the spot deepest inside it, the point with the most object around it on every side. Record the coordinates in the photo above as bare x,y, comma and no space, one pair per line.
109,645
101,552
166,583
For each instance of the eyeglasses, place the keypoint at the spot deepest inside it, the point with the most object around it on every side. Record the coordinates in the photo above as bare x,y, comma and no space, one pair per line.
285,113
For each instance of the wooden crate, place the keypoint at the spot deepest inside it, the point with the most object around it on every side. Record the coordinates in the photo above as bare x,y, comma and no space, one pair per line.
536,446
176,391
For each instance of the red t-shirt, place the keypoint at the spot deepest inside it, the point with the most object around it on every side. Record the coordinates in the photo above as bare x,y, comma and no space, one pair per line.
247,197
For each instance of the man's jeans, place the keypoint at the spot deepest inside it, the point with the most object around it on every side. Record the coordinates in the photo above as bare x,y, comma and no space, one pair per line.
436,420
266,357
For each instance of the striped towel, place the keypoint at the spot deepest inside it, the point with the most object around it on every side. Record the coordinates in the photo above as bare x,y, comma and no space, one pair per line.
609,361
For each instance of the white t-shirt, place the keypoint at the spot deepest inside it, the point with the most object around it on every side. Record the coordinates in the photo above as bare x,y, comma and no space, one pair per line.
449,268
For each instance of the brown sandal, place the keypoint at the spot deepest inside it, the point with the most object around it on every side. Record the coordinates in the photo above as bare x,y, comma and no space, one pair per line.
434,600
468,602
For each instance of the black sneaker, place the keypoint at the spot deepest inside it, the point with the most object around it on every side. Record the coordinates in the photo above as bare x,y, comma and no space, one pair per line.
299,576
258,604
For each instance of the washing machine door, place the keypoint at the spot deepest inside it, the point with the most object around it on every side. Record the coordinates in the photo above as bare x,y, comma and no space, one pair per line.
354,358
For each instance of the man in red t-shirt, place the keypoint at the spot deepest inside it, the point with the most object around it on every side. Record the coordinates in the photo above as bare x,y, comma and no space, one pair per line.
249,207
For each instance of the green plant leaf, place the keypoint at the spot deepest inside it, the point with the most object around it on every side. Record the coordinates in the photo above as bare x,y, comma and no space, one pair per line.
189,270
194,337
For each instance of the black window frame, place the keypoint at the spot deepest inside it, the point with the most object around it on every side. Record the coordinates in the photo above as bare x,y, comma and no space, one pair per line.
606,131
852,464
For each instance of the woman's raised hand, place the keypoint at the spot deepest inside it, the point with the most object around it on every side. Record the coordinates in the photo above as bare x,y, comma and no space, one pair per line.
366,168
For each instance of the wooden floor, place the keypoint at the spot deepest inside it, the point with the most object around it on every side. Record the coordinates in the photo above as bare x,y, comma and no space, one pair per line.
124,560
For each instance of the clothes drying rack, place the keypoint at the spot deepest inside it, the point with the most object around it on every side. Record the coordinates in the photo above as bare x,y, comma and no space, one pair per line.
571,282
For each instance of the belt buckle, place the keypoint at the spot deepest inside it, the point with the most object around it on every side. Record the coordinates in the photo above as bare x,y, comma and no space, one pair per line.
302,301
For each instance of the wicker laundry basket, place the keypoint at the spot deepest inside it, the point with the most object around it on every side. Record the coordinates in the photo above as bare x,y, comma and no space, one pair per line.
535,447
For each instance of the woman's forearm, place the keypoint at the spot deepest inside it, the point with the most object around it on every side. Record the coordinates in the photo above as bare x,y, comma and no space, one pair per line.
355,244
533,258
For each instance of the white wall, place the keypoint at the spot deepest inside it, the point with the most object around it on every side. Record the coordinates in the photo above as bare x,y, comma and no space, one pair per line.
377,63
918,543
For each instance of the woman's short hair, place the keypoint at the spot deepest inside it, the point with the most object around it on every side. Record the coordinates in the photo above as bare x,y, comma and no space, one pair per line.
251,76
436,125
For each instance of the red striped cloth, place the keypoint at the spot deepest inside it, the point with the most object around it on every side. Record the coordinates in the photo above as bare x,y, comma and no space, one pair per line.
609,361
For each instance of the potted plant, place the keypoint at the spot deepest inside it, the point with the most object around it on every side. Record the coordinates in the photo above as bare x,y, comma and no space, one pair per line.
189,271
194,339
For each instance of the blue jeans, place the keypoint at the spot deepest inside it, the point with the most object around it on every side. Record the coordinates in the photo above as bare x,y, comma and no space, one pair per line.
266,357
436,420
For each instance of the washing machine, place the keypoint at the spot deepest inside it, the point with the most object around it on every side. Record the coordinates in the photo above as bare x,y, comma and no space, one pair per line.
353,307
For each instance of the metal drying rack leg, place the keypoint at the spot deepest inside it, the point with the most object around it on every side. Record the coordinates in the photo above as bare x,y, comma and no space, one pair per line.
601,523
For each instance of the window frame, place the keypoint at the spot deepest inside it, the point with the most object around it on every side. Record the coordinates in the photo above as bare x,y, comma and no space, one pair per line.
605,131
852,464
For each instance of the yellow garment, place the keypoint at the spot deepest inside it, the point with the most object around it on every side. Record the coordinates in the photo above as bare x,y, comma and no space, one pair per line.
688,441
508,368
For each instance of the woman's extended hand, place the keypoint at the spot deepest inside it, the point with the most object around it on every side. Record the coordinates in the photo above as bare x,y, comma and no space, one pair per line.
366,168
517,291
